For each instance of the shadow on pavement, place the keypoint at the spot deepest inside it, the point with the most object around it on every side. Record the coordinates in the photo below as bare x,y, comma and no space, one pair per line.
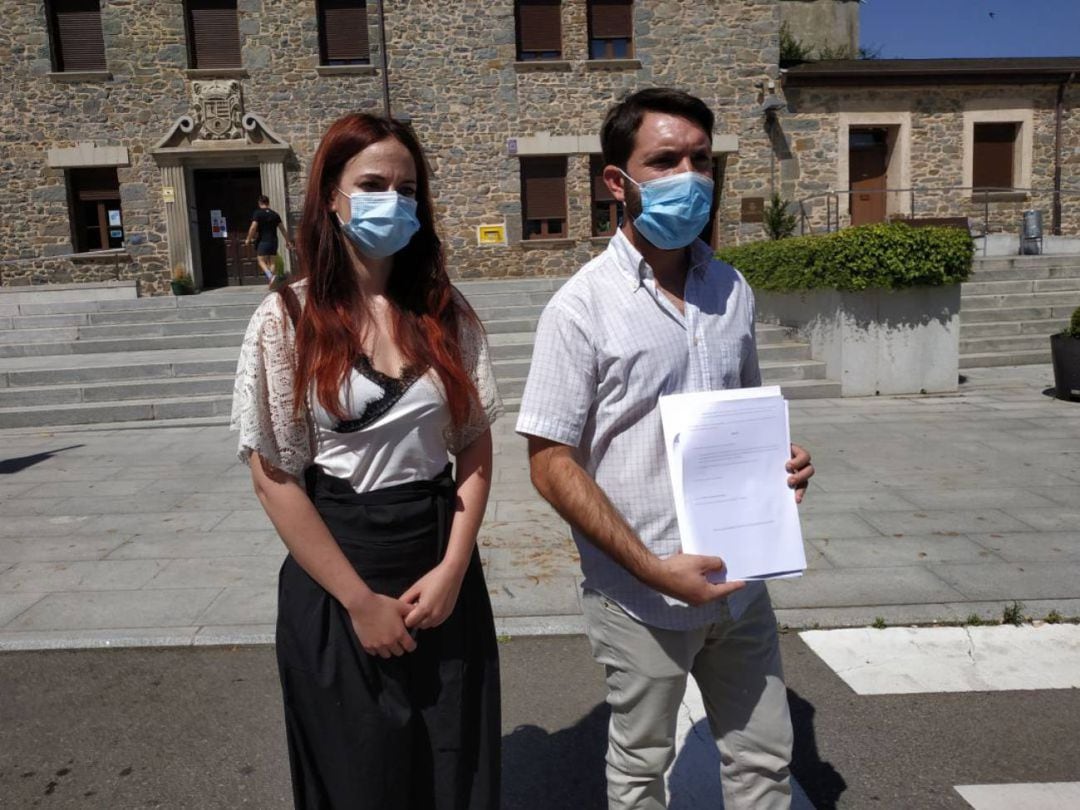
821,782
10,466
565,769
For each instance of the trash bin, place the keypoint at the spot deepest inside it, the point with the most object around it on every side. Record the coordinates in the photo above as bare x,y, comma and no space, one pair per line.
1031,234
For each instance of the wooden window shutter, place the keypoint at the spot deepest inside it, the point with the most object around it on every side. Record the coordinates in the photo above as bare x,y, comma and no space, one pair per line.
215,34
599,187
539,25
78,39
992,160
543,182
611,19
343,31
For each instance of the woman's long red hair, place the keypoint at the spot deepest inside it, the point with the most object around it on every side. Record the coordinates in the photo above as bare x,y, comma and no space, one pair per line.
426,314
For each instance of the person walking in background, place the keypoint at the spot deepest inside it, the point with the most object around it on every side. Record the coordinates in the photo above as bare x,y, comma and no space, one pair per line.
265,224
657,314
355,385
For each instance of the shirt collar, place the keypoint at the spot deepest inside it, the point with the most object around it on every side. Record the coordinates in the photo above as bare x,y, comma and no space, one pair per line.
636,270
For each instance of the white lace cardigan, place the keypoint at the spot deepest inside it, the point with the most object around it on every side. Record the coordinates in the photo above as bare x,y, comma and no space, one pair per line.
262,407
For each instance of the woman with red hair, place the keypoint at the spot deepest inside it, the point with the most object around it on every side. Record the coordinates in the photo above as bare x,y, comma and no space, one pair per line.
356,383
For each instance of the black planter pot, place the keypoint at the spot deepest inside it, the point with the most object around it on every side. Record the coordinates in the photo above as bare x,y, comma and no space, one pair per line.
1065,355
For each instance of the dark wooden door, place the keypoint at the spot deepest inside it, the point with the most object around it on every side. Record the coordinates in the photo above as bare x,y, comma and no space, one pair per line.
868,164
235,194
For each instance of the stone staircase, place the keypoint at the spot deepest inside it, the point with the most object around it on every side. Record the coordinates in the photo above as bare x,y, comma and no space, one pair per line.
1012,305
124,359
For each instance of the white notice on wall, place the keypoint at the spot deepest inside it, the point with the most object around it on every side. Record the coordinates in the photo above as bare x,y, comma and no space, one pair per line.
218,228
726,454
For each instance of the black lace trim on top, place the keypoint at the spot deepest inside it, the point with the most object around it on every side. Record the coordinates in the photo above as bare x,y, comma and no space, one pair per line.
393,389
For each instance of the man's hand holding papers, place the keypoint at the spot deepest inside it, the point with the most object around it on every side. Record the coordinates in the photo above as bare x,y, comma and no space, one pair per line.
729,454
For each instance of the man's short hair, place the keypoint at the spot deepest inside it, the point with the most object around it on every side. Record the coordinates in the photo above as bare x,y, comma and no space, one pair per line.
264,200
623,120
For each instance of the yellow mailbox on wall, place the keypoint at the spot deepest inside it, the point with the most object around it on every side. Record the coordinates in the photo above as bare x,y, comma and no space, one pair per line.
488,235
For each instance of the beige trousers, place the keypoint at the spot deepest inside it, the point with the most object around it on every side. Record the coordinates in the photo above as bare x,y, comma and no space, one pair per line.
737,667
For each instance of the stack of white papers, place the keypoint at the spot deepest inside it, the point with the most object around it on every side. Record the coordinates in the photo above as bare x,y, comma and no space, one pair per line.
726,452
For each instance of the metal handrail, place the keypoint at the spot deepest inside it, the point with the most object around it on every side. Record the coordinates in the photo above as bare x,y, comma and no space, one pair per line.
980,194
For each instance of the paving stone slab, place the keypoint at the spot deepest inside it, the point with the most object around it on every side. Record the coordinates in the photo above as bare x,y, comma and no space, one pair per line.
528,596
1012,580
242,605
835,524
220,635
877,551
862,586
14,604
245,520
1049,519
975,498
1034,546
158,522
86,575
226,572
74,547
104,610
59,526
190,545
930,521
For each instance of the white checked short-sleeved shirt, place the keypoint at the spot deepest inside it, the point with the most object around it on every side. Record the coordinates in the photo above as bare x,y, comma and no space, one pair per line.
608,345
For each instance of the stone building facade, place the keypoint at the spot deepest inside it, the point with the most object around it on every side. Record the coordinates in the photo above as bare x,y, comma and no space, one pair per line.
930,116
176,134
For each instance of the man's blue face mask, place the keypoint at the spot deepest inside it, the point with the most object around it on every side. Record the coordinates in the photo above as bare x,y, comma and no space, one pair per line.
674,209
380,222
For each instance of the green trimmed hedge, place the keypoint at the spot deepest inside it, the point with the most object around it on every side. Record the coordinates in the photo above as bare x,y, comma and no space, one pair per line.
883,256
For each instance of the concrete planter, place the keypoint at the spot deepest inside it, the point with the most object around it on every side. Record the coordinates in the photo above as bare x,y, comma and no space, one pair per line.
877,341
1065,354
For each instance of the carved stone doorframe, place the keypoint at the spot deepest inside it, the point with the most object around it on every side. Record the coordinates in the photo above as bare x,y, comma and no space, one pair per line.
217,135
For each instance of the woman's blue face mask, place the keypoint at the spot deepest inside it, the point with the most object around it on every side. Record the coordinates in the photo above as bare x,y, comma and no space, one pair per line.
380,222
674,208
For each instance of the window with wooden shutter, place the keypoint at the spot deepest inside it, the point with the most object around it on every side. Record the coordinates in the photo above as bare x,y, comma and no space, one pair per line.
77,40
94,208
343,32
611,29
213,34
993,159
606,211
543,197
539,29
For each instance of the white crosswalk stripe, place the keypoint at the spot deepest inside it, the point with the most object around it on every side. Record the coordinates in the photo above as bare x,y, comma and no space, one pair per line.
910,660
1031,796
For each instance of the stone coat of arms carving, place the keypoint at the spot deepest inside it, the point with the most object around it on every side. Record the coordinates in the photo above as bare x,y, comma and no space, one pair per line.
217,109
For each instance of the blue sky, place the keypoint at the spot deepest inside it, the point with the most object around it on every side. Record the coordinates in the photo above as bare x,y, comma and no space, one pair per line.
922,29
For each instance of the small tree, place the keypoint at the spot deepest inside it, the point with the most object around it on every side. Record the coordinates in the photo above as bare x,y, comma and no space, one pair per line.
779,223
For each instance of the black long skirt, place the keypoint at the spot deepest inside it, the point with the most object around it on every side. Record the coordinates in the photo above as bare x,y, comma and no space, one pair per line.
413,732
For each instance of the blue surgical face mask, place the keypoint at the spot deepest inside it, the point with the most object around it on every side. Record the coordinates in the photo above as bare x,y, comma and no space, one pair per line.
380,222
674,209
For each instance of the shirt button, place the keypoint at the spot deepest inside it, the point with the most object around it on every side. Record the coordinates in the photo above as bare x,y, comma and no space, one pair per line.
695,341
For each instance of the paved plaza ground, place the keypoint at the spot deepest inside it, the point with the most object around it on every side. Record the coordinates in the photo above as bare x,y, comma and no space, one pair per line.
923,509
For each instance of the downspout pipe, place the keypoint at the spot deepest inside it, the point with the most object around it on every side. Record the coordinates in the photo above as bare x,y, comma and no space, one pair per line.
1059,113
382,51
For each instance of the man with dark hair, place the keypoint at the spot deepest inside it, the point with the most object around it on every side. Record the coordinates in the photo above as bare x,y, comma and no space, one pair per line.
265,223
657,314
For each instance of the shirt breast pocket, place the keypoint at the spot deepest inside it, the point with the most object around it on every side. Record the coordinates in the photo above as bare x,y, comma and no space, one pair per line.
727,358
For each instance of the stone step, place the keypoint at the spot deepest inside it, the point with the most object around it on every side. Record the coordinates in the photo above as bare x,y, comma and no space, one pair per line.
121,368
975,288
1043,299
1010,343
992,315
986,360
1028,262
773,373
118,391
1047,326
129,411
175,342
1009,273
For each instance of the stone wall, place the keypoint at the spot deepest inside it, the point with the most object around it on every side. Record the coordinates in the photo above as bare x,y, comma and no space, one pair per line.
812,132
830,25
452,69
